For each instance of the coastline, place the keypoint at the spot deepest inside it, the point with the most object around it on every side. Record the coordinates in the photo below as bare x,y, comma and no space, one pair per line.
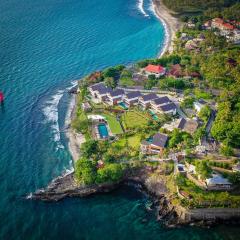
74,139
171,25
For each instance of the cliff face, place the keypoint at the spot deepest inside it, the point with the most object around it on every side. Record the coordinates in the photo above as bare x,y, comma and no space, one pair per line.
170,215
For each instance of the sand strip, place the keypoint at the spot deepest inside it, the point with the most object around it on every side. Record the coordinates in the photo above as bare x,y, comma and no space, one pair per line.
170,23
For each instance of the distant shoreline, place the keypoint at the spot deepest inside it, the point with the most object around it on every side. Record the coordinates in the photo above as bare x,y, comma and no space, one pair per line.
171,25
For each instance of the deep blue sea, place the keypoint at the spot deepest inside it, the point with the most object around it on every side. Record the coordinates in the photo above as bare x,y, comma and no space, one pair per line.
44,46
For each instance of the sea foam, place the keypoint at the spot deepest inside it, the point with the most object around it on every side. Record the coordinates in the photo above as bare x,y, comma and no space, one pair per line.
141,8
50,111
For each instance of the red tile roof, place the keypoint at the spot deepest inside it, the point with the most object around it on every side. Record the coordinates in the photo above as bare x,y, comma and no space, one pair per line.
155,68
228,26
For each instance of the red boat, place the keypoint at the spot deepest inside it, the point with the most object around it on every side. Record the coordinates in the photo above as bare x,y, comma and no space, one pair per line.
1,97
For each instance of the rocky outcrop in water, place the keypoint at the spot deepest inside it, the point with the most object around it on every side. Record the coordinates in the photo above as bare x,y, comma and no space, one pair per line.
66,186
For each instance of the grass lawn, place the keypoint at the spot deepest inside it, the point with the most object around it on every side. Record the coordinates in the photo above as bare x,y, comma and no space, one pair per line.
133,141
125,81
113,124
133,119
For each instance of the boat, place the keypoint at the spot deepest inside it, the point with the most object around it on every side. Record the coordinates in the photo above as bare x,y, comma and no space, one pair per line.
1,97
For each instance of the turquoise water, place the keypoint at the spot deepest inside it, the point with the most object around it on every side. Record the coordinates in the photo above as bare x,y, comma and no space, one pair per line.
123,105
102,128
154,116
44,46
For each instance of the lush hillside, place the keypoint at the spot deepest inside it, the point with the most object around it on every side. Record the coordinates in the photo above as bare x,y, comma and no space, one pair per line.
185,6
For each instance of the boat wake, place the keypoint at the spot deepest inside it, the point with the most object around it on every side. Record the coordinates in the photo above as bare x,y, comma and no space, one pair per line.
141,8
50,111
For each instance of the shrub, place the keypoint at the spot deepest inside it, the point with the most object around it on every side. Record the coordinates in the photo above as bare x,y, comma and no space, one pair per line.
110,173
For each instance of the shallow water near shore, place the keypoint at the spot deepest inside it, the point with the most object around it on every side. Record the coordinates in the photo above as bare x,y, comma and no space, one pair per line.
44,46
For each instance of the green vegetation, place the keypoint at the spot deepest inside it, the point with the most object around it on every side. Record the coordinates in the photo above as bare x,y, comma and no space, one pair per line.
205,113
179,139
132,140
230,13
134,119
188,102
196,6
226,150
86,170
169,82
110,173
201,198
113,124
200,94
126,78
226,127
151,82
203,169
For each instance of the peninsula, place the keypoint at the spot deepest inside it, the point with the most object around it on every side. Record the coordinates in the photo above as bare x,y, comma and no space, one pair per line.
171,124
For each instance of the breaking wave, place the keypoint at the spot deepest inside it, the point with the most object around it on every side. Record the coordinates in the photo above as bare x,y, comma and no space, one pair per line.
50,111
141,8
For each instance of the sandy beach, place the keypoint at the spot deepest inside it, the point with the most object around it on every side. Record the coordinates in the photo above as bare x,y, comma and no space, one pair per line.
75,139
171,24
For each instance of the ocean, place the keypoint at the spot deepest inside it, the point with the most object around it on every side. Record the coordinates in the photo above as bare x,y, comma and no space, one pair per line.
45,46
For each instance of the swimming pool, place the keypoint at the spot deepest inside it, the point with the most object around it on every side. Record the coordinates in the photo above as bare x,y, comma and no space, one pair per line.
123,105
154,116
103,131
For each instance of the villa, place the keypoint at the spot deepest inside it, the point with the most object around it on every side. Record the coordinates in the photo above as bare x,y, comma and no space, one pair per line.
176,71
218,182
156,103
99,91
145,100
186,125
154,145
168,109
190,126
115,97
176,123
132,98
156,70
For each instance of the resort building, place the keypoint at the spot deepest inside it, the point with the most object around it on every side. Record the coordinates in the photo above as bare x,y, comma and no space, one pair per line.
176,123
176,71
168,109
180,169
218,182
154,145
132,98
156,103
186,125
96,87
145,100
115,97
156,70
221,25
190,126
102,93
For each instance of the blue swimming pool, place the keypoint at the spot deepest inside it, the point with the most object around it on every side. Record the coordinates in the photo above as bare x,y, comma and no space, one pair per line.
154,116
123,105
103,131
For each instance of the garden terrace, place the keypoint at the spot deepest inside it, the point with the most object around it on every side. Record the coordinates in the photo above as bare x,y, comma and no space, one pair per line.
198,197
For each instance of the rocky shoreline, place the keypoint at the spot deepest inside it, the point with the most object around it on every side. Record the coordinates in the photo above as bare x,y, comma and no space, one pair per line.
170,215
